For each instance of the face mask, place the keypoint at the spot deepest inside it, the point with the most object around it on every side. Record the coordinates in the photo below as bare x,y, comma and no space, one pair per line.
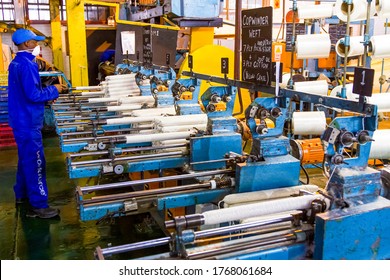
36,51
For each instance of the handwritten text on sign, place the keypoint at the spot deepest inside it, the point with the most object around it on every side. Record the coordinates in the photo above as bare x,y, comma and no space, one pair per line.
257,45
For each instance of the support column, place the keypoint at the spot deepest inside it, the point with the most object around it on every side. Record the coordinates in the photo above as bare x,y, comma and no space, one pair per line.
77,42
201,36
56,41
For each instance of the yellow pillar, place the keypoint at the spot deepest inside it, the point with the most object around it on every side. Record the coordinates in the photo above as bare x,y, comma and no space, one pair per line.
77,42
1,55
201,36
56,41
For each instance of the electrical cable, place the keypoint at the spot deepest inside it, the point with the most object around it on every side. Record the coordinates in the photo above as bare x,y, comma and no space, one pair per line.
307,174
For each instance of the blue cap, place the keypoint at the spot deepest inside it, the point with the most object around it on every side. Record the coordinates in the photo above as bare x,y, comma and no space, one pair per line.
23,35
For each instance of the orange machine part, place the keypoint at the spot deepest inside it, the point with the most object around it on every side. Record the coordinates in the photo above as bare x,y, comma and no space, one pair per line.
310,150
328,63
286,58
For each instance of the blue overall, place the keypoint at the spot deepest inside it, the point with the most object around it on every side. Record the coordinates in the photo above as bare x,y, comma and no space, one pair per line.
26,106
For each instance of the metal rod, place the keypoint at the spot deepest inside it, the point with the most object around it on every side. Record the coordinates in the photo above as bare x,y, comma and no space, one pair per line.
347,48
367,33
228,229
144,193
152,180
66,134
209,161
97,161
243,246
136,246
141,149
293,42
102,138
237,40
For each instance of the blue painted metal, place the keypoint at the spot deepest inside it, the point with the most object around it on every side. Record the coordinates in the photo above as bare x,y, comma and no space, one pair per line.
215,147
197,9
100,211
129,166
187,107
293,252
356,233
267,104
182,200
273,172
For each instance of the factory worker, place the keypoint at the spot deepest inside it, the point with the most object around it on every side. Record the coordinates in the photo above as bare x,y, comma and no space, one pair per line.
26,102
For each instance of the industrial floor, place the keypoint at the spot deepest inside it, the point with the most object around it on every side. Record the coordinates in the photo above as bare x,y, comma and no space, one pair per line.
68,238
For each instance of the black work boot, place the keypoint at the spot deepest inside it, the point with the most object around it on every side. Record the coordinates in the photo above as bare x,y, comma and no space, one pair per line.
43,213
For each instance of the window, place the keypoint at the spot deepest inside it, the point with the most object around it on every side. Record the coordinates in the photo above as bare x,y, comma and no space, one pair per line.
96,14
7,11
38,10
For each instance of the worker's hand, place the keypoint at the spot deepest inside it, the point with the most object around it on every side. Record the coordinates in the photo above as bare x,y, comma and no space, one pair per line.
61,88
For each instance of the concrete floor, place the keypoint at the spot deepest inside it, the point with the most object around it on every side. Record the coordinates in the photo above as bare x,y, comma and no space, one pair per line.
65,238
68,237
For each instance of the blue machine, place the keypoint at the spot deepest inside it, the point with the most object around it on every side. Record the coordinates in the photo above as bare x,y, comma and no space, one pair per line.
270,152
346,220
355,227
209,154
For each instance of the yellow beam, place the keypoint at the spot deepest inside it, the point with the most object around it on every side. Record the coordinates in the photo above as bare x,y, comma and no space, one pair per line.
1,55
201,36
56,40
77,42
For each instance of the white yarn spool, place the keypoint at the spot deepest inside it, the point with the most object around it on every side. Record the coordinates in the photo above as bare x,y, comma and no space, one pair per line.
170,110
356,46
382,101
182,120
177,128
171,142
383,8
130,120
314,87
250,197
313,46
380,46
309,11
120,77
92,93
133,139
102,99
259,209
123,91
149,100
358,10
124,108
308,123
380,148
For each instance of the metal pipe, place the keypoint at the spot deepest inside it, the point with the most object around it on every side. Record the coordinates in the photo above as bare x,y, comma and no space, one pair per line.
347,46
367,33
106,137
142,149
243,246
97,161
237,40
293,39
144,193
153,180
136,246
229,229
67,134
